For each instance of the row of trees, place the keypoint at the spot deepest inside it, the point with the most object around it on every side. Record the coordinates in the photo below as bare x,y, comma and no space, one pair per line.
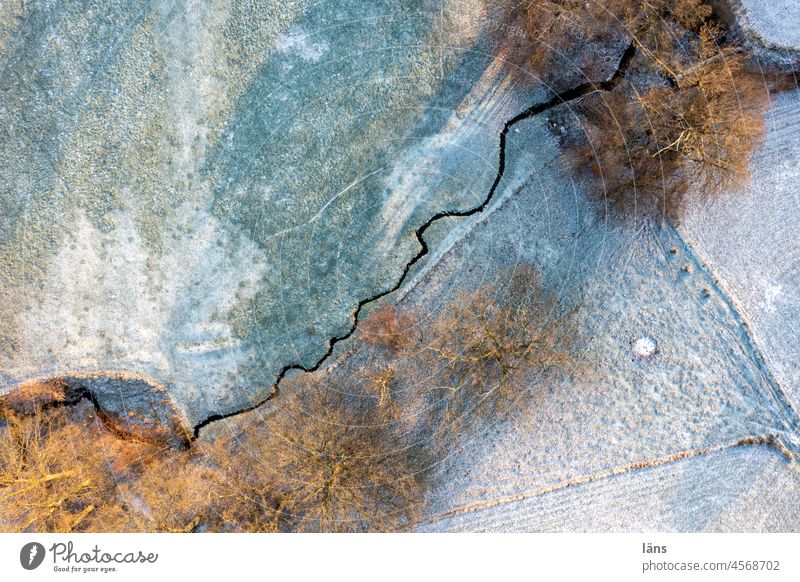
354,449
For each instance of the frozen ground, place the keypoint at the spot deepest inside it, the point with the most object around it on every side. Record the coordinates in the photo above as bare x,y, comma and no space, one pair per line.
776,21
749,240
201,192
739,489
705,388
771,28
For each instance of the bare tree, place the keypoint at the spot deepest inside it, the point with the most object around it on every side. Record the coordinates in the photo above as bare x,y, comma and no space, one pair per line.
55,474
61,469
556,29
487,340
323,463
648,149
689,119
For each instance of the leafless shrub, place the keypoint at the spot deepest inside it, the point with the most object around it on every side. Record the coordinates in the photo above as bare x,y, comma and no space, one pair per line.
62,470
556,29
379,383
664,31
170,492
553,29
320,463
55,474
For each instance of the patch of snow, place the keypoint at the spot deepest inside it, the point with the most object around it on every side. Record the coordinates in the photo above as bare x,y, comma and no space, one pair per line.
771,294
298,43
775,20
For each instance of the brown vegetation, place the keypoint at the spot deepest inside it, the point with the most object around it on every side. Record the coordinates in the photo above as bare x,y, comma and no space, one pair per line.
151,416
555,29
650,148
61,473
647,151
321,464
379,382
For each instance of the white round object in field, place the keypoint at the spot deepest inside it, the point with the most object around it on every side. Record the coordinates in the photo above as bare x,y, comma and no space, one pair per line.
644,347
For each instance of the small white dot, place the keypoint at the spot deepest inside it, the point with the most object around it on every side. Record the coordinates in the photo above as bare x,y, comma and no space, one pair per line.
644,347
